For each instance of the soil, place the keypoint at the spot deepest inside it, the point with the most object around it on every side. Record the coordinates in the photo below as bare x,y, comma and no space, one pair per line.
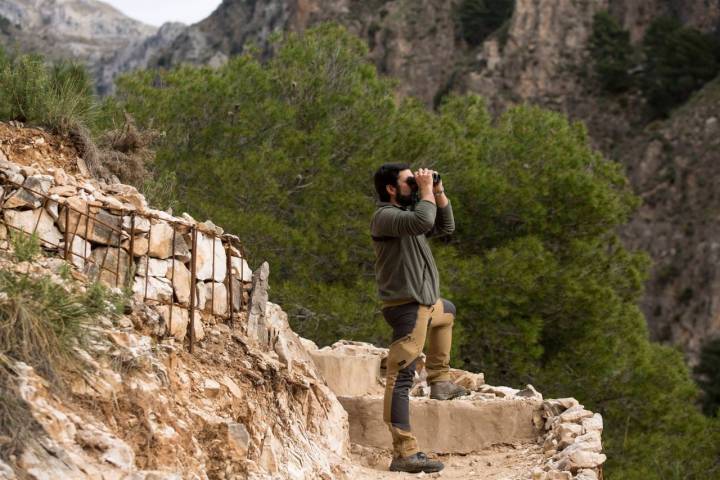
499,462
37,148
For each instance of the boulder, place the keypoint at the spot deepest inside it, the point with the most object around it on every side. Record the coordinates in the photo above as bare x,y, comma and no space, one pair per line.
575,414
153,267
240,269
31,195
38,221
179,275
99,226
350,370
586,475
594,423
108,265
210,258
157,289
566,433
213,298
238,439
176,323
79,250
140,246
161,242
142,224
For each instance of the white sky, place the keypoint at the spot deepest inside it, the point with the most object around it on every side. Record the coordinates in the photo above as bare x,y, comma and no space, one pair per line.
157,12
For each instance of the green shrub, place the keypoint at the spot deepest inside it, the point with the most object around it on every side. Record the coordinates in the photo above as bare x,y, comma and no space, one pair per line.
55,96
612,53
678,61
25,247
477,19
708,374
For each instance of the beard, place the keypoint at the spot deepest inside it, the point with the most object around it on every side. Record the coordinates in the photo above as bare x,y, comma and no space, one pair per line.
407,200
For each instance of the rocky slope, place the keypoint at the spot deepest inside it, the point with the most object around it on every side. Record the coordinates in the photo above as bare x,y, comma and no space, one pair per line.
250,399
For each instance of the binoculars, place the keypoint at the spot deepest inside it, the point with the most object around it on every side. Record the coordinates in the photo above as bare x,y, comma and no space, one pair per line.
413,184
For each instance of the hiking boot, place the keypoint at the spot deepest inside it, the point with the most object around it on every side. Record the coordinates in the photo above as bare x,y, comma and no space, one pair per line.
447,391
415,464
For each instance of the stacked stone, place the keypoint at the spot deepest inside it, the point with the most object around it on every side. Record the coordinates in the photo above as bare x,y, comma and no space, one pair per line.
572,442
103,225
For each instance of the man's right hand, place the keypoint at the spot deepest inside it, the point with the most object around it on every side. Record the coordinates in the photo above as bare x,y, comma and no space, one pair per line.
424,180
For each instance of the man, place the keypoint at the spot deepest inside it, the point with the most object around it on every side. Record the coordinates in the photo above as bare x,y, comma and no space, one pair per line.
408,286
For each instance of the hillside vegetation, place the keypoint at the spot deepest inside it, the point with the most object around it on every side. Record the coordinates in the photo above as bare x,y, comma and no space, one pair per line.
546,292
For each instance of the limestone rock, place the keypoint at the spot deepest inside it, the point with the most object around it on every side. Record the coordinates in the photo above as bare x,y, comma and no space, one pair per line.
197,326
582,459
256,328
586,475
179,274
501,392
240,269
153,267
210,258
32,194
142,224
213,298
140,246
350,370
575,414
102,227
238,438
109,265
28,220
178,322
594,423
567,433
529,392
157,289
211,388
79,251
161,242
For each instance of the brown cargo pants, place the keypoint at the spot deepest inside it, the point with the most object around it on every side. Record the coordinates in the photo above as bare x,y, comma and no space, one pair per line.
411,324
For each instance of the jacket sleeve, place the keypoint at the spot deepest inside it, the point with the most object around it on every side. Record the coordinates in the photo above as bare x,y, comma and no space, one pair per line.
444,222
395,222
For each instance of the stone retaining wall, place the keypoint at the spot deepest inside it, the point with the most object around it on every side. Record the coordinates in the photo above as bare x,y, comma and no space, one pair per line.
111,235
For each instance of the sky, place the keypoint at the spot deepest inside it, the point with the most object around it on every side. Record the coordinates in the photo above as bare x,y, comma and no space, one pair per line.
157,12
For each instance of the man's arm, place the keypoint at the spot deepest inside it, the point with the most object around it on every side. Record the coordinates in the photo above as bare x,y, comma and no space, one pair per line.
394,222
444,220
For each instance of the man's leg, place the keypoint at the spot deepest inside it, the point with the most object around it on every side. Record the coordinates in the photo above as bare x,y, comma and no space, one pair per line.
438,356
409,323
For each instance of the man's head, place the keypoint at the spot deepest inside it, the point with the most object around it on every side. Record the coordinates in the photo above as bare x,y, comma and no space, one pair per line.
391,184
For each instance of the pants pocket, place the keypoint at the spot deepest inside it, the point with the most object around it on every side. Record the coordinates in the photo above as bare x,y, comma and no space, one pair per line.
403,352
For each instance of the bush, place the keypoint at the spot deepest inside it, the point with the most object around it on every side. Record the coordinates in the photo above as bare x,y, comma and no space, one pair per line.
679,61
25,247
41,323
477,19
612,53
708,373
58,96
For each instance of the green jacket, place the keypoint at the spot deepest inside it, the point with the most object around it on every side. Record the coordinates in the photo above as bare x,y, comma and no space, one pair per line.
404,265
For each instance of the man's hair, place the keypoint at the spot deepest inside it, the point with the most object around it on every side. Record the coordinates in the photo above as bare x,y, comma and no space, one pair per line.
386,175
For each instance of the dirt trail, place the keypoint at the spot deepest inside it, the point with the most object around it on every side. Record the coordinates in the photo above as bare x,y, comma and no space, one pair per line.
499,462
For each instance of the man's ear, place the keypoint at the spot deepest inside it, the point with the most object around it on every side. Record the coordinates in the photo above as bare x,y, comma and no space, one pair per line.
391,189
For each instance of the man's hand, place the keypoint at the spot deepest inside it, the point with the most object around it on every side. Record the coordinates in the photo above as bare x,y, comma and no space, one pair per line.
423,178
439,194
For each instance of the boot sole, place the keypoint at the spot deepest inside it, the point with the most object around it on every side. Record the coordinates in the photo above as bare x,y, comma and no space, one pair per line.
418,470
450,397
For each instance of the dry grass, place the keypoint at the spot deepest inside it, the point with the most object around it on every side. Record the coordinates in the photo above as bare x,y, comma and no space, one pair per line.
126,153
